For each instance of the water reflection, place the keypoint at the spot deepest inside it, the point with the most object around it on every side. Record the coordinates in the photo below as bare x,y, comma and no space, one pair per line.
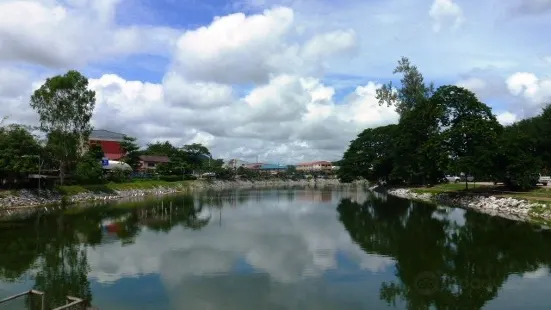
445,258
273,249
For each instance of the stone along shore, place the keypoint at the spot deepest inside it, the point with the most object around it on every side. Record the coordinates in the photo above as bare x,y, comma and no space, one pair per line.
506,207
26,198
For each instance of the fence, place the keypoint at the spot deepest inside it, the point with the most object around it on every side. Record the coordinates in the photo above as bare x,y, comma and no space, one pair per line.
32,293
72,303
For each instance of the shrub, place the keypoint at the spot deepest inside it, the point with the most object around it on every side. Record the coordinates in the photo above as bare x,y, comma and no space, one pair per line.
170,178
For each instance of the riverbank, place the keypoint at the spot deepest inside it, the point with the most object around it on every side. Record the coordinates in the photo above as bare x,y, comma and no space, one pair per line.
104,192
506,207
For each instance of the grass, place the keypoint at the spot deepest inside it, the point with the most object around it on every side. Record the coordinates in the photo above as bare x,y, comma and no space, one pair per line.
70,190
538,195
452,188
6,193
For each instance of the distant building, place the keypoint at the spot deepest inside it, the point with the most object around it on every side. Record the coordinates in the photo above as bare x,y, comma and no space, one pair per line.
235,163
150,162
268,168
315,166
109,141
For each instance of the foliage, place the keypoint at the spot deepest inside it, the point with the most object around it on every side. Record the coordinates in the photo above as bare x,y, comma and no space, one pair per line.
88,169
131,152
171,178
18,148
118,175
65,105
446,131
471,130
370,155
111,186
412,92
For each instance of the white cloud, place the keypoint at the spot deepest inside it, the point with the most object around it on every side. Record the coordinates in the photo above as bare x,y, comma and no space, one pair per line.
506,118
444,11
55,34
238,49
288,119
473,84
535,90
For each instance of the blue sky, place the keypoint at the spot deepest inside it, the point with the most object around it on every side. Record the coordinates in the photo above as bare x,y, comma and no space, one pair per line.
291,80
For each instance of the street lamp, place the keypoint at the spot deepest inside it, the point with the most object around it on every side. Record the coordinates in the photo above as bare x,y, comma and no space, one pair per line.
40,162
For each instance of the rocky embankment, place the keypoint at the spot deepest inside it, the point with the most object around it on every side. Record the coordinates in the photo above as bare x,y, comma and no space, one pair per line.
25,198
507,207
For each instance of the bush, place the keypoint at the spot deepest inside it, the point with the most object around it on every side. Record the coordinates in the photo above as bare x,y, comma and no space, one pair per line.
190,177
170,178
119,176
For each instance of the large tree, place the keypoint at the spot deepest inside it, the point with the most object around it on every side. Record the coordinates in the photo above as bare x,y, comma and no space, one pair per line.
413,89
470,130
370,155
65,105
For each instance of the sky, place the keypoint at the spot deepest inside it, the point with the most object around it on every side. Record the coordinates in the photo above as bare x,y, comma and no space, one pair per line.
287,81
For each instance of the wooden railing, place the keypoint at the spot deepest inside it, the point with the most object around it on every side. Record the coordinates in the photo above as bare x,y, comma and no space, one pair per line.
73,303
31,292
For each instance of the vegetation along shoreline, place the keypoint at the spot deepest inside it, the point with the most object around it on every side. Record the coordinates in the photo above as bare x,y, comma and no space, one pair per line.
508,207
25,199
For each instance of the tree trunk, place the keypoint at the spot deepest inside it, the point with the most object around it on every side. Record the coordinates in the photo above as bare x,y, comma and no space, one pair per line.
61,172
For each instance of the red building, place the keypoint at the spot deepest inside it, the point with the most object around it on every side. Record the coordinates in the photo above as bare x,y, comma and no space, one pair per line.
109,141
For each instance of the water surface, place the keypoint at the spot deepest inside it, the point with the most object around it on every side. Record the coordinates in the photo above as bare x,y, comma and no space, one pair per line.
278,249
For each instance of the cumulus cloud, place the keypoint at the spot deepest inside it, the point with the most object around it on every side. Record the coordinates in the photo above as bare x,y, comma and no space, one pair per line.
61,34
288,119
237,49
527,85
506,118
445,12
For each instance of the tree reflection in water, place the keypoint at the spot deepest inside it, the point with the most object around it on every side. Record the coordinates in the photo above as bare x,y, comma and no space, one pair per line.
52,247
441,263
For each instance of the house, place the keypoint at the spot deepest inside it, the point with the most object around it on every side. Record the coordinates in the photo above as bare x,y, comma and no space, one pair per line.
235,163
267,168
109,141
150,162
315,166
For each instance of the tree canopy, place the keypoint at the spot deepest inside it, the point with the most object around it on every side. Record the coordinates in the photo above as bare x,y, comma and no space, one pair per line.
446,131
65,106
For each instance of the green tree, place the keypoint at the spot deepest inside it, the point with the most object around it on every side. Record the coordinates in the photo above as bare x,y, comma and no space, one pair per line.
412,91
197,156
88,169
65,106
471,130
370,155
17,146
517,161
131,152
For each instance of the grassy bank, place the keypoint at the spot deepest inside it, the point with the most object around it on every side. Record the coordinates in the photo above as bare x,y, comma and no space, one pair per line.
539,194
70,190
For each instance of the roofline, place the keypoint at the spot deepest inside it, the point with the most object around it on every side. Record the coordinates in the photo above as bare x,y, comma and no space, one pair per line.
118,133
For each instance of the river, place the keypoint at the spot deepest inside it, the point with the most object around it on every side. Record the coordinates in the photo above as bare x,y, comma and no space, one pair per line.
276,249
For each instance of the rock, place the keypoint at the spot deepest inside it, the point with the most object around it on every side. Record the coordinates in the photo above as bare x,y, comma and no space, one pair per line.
509,207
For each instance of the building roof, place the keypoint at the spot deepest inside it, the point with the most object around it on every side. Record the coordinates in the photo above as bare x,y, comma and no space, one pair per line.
272,166
102,134
314,163
155,158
